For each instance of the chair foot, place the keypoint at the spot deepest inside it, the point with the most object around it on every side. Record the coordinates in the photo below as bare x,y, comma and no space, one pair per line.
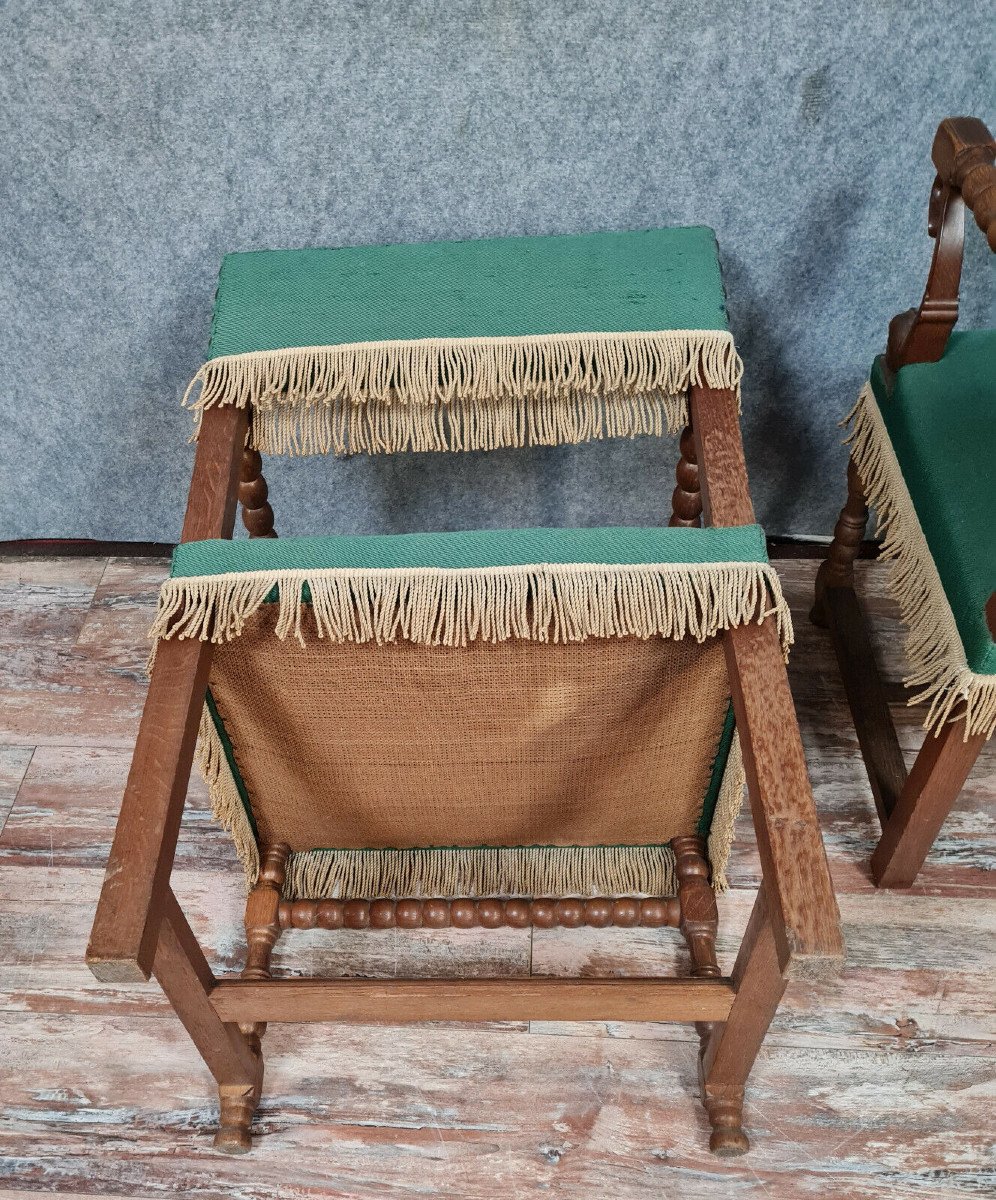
237,1107
726,1115
239,1101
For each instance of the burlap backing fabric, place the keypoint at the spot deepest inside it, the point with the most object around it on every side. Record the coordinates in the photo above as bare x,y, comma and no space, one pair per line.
605,742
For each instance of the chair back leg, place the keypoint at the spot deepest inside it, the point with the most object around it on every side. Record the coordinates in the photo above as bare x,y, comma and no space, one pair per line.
837,569
686,499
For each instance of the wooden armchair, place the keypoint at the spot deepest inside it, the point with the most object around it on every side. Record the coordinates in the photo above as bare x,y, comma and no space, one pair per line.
923,454
139,929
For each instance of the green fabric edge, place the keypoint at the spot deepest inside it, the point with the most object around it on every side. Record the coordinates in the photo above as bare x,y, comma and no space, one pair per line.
226,745
716,778
477,549
967,608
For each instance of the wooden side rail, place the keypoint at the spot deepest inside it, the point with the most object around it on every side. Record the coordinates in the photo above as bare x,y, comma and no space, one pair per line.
397,1001
801,905
963,153
126,927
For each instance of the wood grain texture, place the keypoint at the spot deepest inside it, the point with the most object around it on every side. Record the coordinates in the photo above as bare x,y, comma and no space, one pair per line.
400,1001
878,1084
686,499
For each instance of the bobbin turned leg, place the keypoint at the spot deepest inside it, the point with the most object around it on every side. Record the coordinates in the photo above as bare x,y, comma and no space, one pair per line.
262,930
257,515
837,569
686,500
699,914
699,924
699,918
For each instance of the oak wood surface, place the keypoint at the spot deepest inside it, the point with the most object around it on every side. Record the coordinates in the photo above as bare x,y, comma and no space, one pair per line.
729,1049
686,499
963,153
257,515
400,1001
184,975
867,698
441,913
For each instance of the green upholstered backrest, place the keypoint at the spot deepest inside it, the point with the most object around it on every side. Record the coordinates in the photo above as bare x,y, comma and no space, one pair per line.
941,419
655,279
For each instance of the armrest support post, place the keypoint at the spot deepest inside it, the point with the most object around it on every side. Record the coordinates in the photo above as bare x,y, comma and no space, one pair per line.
136,886
798,889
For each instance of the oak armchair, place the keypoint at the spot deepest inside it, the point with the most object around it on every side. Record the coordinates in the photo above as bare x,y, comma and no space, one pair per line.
923,454
398,731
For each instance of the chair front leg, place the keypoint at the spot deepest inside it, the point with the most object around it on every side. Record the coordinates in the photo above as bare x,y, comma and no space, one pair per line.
930,790
184,975
732,1045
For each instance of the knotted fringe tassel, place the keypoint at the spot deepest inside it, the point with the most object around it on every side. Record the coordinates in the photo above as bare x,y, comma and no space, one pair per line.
467,393
226,803
430,606
934,648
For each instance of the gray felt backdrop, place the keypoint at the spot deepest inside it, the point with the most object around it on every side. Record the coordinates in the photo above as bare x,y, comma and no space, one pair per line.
141,142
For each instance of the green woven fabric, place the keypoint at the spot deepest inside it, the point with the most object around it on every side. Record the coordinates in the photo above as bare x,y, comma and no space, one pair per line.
480,548
652,280
941,419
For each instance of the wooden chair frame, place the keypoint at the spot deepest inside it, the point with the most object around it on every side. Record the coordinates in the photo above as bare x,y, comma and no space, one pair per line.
911,806
139,929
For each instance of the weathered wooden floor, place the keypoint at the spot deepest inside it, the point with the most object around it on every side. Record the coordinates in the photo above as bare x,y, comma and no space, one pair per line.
881,1085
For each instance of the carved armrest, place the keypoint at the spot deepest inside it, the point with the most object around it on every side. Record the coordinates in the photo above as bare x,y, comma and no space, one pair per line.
963,153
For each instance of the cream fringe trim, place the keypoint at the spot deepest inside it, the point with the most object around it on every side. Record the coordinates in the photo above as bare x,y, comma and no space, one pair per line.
226,803
467,393
933,646
449,607
728,806
494,872
491,872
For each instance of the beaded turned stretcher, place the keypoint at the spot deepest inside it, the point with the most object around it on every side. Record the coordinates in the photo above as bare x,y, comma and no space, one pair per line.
500,727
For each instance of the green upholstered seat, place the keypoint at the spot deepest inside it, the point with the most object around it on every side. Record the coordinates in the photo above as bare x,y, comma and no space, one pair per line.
655,279
472,550
941,420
